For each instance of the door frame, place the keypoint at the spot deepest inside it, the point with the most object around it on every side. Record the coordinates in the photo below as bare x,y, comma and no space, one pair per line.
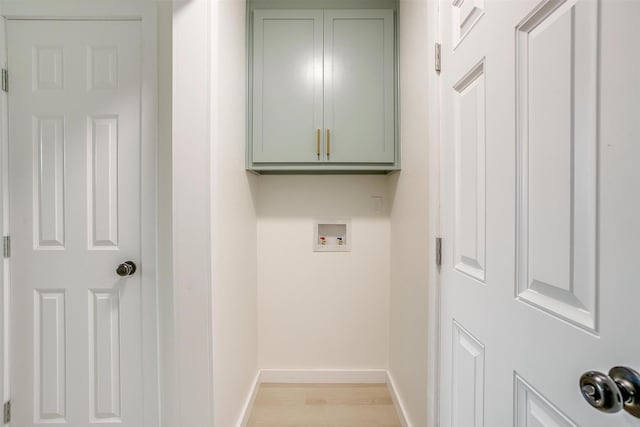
436,165
146,14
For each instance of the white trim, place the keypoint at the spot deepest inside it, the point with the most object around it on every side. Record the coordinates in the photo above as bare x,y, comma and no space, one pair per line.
146,13
324,376
76,9
397,401
251,398
5,385
435,206
149,212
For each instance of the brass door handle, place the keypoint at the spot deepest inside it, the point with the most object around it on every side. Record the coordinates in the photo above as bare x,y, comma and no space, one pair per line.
318,144
328,143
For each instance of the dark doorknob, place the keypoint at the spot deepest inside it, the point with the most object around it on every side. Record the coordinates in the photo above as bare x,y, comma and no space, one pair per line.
601,392
127,268
614,392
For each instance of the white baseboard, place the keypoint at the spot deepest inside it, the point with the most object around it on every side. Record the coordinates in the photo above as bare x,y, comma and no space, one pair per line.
248,405
324,376
397,401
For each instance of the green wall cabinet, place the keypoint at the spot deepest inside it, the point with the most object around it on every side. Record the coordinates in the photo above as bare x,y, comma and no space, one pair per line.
323,91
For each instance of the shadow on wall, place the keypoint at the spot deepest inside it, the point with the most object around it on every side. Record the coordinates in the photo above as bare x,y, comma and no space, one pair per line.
323,196
253,181
392,186
177,4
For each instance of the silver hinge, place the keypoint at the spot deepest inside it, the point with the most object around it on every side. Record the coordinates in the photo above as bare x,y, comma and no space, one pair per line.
438,62
7,412
438,251
5,80
6,246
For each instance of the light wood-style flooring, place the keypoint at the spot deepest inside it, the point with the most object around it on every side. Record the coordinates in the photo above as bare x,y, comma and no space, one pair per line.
323,405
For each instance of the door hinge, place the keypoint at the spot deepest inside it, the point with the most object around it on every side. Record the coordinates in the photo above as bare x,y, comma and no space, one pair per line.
6,246
438,251
7,412
438,57
5,80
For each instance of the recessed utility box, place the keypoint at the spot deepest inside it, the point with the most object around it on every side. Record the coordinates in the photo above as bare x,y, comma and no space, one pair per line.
332,235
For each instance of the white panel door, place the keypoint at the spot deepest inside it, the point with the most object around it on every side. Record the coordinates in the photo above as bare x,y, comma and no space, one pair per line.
540,208
74,154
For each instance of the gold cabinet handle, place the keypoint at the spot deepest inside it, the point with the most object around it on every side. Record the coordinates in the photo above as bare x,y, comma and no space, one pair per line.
328,143
318,144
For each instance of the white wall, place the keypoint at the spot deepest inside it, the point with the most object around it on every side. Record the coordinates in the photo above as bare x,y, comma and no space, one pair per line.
322,310
191,193
234,275
214,293
414,215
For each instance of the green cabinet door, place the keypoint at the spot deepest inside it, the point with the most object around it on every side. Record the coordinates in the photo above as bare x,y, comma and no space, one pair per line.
359,88
287,86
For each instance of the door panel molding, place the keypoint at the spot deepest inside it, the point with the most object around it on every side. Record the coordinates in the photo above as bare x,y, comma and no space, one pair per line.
48,70
102,181
467,406
533,409
466,15
49,206
105,393
50,391
557,160
470,176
